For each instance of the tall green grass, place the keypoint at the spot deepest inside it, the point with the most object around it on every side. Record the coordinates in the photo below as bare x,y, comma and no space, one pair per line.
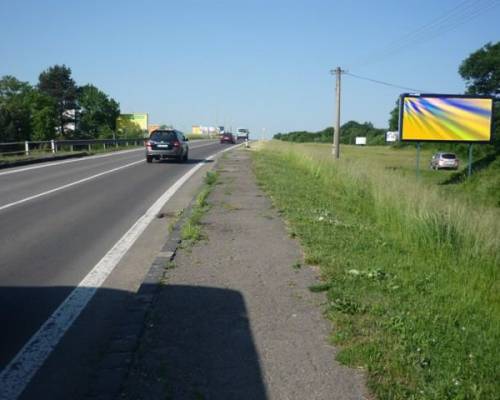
412,280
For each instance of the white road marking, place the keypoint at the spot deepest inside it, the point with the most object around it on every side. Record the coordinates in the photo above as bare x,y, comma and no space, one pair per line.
15,203
73,160
36,196
85,158
21,369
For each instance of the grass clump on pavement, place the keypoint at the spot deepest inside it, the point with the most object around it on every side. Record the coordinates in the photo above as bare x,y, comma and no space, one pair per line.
191,230
411,280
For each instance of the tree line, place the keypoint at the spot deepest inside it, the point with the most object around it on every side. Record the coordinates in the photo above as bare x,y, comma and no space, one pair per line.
55,108
481,73
348,133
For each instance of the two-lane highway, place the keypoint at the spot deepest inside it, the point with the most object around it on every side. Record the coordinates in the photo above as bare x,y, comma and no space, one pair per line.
58,220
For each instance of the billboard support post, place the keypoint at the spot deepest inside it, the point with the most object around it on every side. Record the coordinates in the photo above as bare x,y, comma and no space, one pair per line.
469,167
418,160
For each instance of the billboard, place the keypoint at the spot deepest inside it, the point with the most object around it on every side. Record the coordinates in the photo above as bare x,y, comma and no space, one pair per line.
392,136
196,130
135,120
445,118
360,140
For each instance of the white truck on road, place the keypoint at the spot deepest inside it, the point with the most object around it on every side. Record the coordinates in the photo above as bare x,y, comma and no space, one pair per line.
242,133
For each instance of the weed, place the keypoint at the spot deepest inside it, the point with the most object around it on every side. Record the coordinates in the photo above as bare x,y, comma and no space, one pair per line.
211,178
230,207
320,287
191,231
170,264
297,265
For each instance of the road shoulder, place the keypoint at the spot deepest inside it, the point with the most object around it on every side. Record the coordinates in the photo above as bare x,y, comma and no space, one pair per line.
233,316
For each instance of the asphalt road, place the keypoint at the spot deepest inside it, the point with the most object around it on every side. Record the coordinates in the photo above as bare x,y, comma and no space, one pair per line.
54,239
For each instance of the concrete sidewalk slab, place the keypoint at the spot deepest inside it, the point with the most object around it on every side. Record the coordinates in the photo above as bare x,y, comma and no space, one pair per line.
235,319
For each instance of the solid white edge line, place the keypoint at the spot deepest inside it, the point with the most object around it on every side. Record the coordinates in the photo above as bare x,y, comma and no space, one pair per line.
74,160
21,369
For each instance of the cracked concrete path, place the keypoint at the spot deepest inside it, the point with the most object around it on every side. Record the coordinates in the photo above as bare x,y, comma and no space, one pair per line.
234,319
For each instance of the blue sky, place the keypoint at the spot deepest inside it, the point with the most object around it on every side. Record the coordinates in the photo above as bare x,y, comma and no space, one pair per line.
259,64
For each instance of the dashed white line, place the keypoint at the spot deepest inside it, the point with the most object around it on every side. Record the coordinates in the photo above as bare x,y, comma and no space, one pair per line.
87,158
15,203
21,369
73,160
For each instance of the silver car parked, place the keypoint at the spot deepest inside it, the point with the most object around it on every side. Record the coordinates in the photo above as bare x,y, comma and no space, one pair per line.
444,160
167,144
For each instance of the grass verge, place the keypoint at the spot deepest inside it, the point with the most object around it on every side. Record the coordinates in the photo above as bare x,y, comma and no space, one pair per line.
191,231
411,281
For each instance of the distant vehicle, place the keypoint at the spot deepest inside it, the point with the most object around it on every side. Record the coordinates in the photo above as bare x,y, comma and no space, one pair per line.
167,143
221,130
242,133
227,137
444,161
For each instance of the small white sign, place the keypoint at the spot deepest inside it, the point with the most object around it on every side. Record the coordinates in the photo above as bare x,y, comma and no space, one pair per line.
361,140
392,136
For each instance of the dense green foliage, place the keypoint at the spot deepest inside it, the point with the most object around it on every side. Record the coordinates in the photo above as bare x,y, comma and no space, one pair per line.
55,108
481,70
98,112
348,133
56,82
411,277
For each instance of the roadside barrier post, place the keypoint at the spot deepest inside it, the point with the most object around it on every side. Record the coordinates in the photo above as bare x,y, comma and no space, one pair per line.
27,148
104,145
418,159
53,146
469,167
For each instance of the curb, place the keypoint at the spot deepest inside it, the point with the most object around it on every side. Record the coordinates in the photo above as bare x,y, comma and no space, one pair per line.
114,367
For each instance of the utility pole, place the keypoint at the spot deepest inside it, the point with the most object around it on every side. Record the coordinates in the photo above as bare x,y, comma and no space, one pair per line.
336,134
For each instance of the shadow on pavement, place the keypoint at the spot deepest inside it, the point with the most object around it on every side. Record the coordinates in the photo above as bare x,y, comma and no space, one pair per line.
196,342
201,339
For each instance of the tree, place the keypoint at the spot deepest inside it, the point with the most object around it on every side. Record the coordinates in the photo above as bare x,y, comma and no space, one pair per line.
394,118
481,71
98,112
43,116
14,110
56,82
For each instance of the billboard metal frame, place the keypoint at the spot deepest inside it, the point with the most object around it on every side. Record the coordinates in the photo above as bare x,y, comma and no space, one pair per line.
435,95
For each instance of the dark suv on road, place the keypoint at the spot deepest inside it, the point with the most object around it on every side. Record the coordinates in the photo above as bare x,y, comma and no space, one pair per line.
167,143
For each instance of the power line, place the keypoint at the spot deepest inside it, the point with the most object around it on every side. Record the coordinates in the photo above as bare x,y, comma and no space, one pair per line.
462,13
385,83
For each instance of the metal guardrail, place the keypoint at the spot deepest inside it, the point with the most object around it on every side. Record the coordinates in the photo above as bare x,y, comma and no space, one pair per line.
54,146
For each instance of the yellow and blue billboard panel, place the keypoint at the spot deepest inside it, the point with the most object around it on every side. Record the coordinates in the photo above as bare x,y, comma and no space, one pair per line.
446,118
136,120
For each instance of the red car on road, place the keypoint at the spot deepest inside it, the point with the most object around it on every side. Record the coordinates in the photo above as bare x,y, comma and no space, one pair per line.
227,138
